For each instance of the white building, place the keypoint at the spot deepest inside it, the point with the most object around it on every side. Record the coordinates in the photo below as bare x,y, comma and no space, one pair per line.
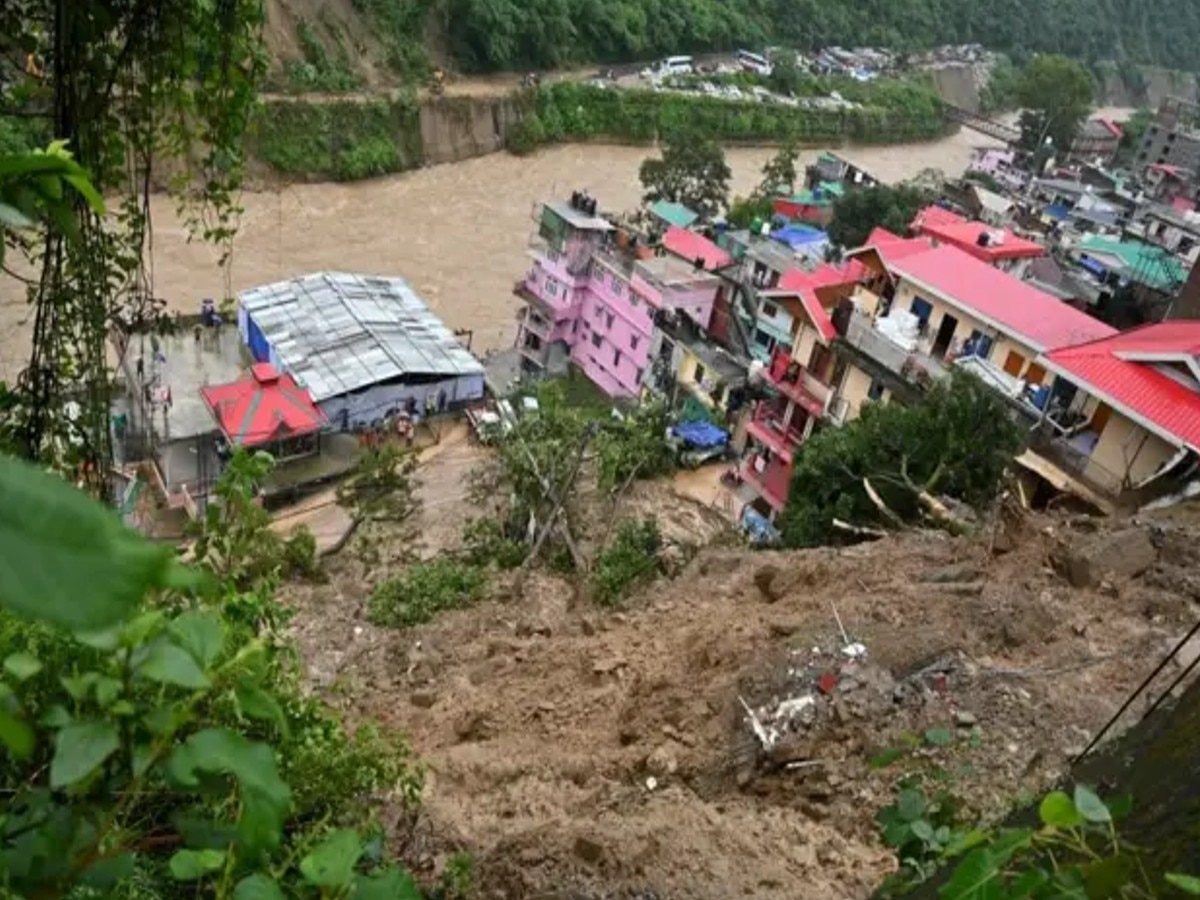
365,347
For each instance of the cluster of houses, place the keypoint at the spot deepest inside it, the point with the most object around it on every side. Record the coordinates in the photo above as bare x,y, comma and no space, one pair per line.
755,332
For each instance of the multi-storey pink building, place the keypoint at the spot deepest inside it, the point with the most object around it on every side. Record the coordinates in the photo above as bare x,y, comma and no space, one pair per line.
592,294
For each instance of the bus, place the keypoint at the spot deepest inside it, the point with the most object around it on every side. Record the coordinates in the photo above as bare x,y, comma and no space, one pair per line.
753,62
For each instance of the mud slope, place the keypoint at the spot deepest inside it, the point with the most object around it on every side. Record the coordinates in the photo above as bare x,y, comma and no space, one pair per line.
581,753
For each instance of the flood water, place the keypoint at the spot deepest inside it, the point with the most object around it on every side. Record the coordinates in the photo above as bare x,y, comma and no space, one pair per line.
457,233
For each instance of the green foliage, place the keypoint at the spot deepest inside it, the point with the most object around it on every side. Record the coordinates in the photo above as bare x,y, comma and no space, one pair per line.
528,134
957,441
342,141
486,543
920,829
894,110
1056,94
692,171
380,489
857,212
634,447
401,26
629,560
1002,89
1133,130
423,591
746,210
299,555
137,741
317,71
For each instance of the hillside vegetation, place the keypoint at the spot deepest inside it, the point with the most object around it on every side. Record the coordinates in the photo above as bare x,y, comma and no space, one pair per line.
511,34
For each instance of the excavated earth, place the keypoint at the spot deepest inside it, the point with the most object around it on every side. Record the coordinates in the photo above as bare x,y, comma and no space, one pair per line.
582,753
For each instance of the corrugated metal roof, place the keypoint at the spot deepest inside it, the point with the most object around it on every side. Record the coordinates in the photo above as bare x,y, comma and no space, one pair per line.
692,246
674,213
337,333
1036,318
1140,389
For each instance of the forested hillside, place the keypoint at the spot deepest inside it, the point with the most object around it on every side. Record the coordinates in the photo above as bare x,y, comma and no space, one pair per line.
513,34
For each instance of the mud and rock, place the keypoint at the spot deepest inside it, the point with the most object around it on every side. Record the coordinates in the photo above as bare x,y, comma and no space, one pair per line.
581,753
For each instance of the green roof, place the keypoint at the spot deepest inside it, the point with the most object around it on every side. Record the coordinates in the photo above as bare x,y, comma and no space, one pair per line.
1143,263
674,213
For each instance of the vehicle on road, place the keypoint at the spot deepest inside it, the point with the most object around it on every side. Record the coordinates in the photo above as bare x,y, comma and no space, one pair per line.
754,62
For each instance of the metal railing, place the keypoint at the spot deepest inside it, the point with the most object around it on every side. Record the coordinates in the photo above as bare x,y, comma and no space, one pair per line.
912,365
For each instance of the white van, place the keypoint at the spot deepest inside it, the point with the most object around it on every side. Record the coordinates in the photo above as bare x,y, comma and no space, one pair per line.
675,65
753,62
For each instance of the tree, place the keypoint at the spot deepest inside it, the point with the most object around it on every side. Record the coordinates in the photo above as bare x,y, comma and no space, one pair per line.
779,172
692,171
1056,94
1133,130
859,211
956,442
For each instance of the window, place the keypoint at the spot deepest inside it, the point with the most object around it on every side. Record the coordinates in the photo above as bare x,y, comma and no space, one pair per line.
922,309
875,391
596,340
599,313
633,342
640,373
618,287
616,357
634,300
616,282
610,320
764,340
551,287
770,310
699,376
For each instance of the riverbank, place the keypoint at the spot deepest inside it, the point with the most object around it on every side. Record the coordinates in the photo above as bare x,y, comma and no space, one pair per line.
355,137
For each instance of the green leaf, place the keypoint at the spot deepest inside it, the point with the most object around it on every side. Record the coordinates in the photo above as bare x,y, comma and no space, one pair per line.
970,876
191,865
22,666
257,887
11,217
1057,810
391,884
922,830
1025,884
331,864
79,750
85,189
107,690
15,734
265,798
1090,806
166,663
1107,877
201,633
1189,884
105,874
939,737
256,703
910,805
67,559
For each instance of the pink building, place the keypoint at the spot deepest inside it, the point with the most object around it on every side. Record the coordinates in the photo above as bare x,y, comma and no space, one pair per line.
591,298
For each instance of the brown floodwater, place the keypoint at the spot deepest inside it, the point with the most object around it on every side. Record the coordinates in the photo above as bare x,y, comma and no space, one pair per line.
457,232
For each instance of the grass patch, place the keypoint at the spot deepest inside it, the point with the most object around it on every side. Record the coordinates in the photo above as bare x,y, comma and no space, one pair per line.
423,591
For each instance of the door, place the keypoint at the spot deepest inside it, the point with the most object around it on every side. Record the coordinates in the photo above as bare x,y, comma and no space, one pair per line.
922,309
945,335
1014,363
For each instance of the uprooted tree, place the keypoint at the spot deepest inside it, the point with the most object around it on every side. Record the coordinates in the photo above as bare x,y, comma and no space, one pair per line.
890,467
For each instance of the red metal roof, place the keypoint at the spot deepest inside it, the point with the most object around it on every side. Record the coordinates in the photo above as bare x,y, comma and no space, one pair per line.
892,246
1038,319
1168,169
800,284
264,406
692,246
935,215
1113,128
965,236
1139,389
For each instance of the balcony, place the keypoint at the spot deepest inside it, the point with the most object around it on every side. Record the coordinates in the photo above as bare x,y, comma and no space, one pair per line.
797,384
535,323
770,478
912,366
766,426
532,289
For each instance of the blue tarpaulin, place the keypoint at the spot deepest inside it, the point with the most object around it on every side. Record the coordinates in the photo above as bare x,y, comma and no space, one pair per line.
758,527
701,435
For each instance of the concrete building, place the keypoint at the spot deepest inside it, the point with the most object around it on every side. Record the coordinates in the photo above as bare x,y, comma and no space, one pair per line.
1098,139
364,347
1172,138
996,246
592,295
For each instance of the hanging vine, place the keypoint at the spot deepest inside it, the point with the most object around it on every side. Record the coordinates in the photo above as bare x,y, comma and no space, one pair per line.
147,94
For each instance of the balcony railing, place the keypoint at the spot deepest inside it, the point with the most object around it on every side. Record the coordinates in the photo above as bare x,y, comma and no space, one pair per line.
770,478
911,365
797,384
767,427
534,323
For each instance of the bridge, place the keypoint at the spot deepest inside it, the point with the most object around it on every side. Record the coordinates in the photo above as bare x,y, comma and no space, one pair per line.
998,130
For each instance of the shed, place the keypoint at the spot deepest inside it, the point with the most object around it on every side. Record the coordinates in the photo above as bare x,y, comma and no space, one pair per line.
364,347
265,407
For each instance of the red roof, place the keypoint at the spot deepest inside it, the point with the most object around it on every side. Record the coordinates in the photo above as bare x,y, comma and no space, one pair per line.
263,407
1138,389
936,216
801,284
1183,204
965,236
692,246
892,246
1113,128
1040,320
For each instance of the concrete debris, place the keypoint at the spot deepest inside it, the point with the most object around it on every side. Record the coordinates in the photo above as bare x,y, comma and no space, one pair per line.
1121,554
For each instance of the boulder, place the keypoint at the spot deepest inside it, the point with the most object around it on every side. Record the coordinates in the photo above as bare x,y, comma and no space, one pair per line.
1126,553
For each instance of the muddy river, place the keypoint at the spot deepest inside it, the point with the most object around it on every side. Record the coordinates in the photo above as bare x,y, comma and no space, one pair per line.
457,232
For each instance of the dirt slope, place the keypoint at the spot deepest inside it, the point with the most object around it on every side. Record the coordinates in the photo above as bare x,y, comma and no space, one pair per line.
543,719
